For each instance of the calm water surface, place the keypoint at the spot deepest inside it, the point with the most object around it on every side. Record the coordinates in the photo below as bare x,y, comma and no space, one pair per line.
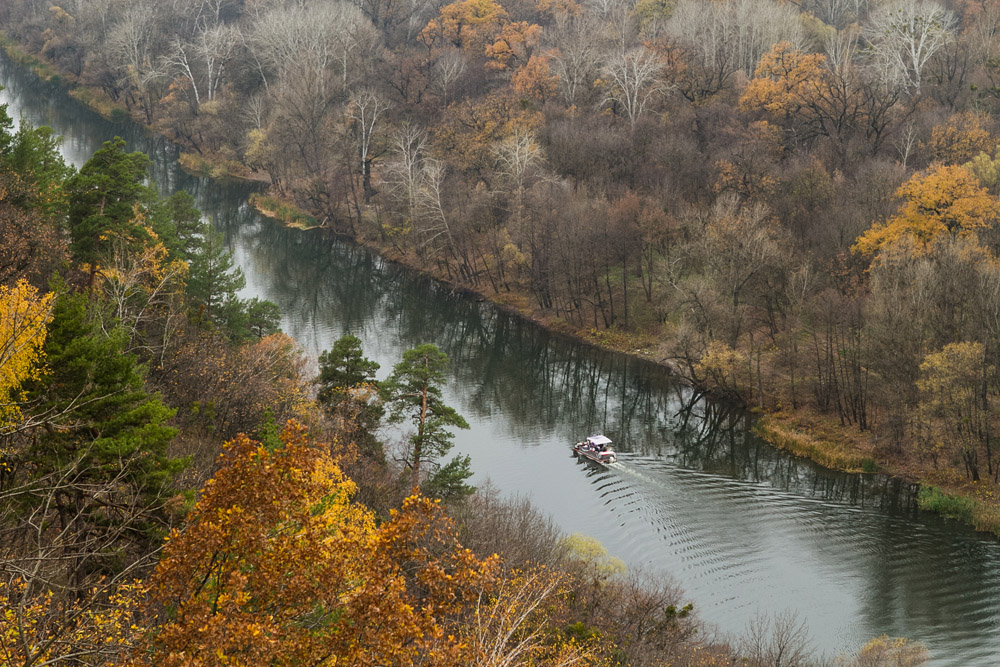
742,527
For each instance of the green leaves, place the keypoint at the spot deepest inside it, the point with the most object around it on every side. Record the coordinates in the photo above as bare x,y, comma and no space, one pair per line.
413,392
106,199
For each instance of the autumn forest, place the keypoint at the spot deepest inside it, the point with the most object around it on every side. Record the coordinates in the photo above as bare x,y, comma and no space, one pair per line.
792,204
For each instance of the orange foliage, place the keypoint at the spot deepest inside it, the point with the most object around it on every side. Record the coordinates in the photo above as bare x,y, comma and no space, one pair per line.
535,79
277,565
945,199
785,81
468,24
471,130
513,45
960,139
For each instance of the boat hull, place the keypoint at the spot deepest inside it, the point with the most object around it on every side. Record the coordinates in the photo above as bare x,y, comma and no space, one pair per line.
604,458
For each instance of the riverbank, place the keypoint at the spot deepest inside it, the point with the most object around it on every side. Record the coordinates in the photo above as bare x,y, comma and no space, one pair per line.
812,435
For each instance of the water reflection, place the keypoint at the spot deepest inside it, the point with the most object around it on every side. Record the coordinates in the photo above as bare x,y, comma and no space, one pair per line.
742,526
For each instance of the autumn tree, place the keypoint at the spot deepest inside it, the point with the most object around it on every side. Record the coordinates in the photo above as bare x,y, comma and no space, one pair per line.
41,629
471,25
24,316
945,199
955,399
413,393
306,576
227,389
816,95
960,139
32,245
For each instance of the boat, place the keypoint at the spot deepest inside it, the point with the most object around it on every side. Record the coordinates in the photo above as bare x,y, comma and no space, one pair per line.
597,448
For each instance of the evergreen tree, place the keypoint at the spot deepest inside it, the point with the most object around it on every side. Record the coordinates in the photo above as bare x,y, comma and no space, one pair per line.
341,367
105,200
448,482
177,221
346,379
34,156
212,285
413,392
98,454
212,280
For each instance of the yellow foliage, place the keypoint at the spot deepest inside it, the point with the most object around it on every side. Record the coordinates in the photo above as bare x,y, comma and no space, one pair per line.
24,316
894,651
513,45
945,199
36,629
785,80
592,553
535,79
467,24
278,566
960,139
724,368
987,170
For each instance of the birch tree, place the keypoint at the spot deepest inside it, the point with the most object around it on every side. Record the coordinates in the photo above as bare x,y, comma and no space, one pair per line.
633,82
365,109
904,35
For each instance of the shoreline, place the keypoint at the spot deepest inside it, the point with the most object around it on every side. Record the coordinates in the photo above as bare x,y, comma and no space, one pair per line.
803,433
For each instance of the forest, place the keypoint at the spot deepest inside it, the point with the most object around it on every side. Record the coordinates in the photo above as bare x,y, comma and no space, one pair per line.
794,204
177,487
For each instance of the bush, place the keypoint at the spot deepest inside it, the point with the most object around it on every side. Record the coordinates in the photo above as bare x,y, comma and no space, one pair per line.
933,499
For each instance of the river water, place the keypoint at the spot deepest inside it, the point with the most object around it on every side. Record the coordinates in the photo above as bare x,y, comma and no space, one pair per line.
743,528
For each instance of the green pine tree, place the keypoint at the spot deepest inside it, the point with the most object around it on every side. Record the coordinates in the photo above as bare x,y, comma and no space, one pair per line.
413,392
102,439
104,198
345,380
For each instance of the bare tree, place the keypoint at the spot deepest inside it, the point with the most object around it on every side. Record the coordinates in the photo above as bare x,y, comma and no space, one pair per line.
778,641
633,79
365,109
904,35
578,57
448,67
729,36
403,172
203,60
131,46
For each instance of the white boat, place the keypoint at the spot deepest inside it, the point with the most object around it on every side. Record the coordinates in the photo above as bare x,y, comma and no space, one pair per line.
596,448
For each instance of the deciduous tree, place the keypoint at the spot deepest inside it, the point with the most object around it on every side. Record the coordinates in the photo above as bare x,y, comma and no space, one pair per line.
945,199
277,565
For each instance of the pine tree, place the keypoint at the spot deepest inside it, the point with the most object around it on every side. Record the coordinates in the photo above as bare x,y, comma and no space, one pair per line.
105,198
413,392
97,457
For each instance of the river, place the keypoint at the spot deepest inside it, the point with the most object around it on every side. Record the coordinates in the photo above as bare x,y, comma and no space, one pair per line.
742,527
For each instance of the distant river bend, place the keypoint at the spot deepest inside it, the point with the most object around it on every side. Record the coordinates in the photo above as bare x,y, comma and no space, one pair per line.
741,526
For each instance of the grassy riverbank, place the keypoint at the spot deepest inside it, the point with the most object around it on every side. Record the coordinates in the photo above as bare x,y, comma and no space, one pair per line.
803,432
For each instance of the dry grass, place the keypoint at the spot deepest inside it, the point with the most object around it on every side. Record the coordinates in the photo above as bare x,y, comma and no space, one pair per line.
829,450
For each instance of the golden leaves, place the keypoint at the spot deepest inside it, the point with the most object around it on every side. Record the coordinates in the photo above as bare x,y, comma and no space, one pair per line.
24,315
945,199
278,565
